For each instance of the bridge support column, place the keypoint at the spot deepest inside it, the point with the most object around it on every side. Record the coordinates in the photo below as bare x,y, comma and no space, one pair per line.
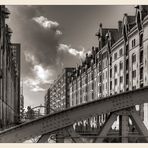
123,128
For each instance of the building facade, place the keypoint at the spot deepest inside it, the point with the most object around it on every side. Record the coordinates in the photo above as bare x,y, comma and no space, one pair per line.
9,74
118,64
57,96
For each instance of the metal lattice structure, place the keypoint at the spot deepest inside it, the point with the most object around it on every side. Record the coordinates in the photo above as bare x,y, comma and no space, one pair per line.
60,123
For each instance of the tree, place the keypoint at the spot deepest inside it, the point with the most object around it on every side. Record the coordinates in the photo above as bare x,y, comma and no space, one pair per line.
30,114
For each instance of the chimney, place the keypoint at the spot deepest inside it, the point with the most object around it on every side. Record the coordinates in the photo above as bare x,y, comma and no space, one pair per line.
120,26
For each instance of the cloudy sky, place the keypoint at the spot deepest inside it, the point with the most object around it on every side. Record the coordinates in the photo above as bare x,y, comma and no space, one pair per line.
53,37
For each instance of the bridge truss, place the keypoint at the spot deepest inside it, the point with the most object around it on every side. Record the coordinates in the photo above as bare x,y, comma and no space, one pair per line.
61,123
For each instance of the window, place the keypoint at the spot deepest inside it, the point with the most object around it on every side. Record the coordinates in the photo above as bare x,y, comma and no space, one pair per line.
141,57
127,79
133,58
127,64
100,89
121,79
115,81
141,73
120,52
133,43
134,87
121,65
141,40
100,78
110,85
115,56
100,67
127,49
115,68
111,59
141,85
133,73
111,73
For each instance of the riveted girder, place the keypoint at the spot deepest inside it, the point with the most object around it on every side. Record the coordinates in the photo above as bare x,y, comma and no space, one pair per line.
69,116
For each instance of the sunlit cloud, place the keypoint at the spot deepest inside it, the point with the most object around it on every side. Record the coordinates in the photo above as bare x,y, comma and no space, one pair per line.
44,22
42,73
72,51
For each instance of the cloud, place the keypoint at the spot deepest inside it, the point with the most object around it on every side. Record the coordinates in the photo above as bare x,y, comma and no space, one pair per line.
41,78
34,85
72,51
30,58
44,22
43,54
42,74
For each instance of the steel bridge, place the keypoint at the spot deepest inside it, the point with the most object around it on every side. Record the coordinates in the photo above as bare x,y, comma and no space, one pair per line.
61,123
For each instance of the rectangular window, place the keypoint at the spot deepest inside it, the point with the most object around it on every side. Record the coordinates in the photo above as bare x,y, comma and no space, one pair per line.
134,87
111,59
141,40
133,73
121,65
110,85
100,67
115,68
115,81
121,79
141,57
100,78
120,52
127,64
111,73
133,58
127,50
115,56
127,78
100,89
141,73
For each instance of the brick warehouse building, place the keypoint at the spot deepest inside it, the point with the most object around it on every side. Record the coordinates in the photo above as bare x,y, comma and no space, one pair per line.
9,74
118,64
57,96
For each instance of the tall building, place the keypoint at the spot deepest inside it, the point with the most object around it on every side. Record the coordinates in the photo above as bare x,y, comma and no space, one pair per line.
57,96
118,64
9,74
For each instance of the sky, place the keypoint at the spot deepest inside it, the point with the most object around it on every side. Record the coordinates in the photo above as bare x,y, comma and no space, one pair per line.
54,37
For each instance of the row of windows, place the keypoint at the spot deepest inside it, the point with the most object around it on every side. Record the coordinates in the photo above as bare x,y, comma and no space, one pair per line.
116,55
140,41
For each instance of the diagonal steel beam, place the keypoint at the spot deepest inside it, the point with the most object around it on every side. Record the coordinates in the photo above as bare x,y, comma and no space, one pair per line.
44,138
74,136
139,124
105,129
69,116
